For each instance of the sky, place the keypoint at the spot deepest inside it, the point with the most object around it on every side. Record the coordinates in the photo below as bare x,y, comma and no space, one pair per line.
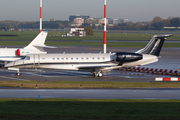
134,10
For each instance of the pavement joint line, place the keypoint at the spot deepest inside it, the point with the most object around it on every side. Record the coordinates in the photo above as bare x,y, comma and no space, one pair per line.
15,78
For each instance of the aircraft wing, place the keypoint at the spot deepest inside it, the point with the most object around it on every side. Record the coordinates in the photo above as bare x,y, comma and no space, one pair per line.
8,59
2,60
91,68
102,68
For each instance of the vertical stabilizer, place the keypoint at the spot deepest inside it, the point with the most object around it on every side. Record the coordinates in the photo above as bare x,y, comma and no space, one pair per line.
38,42
154,46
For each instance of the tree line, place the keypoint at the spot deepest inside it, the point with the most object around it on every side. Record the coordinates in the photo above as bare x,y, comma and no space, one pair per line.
156,24
46,24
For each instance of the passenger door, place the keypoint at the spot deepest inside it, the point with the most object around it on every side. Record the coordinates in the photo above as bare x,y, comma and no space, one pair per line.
36,60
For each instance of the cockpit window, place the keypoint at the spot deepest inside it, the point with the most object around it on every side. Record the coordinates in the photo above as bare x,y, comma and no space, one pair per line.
27,58
23,57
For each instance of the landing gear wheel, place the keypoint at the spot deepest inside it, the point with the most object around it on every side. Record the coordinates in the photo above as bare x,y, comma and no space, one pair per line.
100,74
97,75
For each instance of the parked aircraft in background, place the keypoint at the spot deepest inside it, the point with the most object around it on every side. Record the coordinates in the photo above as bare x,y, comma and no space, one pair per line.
94,63
35,47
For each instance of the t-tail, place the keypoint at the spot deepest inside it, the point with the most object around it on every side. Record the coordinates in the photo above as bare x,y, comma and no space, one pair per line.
155,45
38,43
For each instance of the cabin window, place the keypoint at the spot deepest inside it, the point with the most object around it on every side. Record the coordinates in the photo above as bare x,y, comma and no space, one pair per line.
62,58
103,58
23,57
53,58
71,58
57,58
87,58
27,58
98,58
82,58
93,58
66,58
76,58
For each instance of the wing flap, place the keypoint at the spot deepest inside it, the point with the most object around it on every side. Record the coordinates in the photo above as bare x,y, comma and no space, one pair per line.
102,68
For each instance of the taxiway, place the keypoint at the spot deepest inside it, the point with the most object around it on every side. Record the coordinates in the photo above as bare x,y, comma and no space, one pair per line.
92,93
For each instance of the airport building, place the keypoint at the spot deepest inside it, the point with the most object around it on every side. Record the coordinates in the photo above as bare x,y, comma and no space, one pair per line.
117,21
76,32
96,21
77,20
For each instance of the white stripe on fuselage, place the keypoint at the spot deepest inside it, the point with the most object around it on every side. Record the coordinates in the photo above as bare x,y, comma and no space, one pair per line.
67,61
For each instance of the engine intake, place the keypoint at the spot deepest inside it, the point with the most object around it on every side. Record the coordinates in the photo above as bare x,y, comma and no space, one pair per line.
22,52
18,52
127,57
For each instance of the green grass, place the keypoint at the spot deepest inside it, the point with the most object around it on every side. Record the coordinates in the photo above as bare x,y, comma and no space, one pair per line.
26,35
91,44
89,109
77,84
98,35
110,44
55,35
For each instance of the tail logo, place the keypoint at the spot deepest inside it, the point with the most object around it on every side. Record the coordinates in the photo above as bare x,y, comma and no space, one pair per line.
155,46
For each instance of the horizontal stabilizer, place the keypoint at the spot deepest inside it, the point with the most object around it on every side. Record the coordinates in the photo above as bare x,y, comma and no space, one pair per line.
44,46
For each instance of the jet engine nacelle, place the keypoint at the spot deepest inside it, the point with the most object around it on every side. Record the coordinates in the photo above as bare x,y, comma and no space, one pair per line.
22,52
127,57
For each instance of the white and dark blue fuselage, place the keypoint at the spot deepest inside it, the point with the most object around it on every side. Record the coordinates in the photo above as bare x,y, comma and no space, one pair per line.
95,63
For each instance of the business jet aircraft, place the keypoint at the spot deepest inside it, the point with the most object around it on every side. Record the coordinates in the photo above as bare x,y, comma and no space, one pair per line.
35,47
94,63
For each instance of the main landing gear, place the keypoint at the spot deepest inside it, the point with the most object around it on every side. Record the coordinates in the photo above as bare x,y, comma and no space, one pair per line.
99,74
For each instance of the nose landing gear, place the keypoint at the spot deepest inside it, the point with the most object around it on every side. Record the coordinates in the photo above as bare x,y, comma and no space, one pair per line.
18,73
